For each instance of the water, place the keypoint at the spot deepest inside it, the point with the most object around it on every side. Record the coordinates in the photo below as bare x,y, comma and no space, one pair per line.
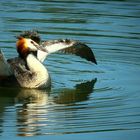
86,101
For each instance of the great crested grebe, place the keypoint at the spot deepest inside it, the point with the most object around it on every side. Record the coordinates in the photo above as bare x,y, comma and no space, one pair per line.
27,69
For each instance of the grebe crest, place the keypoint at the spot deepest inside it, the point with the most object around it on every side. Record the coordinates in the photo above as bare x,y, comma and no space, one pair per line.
30,34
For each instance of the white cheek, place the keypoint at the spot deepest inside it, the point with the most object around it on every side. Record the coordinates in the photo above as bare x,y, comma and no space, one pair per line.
30,45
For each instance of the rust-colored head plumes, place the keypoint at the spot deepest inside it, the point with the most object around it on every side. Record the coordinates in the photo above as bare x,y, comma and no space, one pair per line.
27,42
26,46
22,47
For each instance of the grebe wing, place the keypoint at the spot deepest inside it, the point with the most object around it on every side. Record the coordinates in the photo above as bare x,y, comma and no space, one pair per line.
4,66
23,75
70,47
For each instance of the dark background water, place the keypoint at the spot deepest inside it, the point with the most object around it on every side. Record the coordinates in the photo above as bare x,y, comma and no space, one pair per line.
86,101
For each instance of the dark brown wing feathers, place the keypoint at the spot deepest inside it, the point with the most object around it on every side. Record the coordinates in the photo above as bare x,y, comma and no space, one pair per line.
74,47
81,50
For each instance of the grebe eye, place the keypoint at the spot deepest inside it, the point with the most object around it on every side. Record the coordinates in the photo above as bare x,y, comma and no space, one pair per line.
32,42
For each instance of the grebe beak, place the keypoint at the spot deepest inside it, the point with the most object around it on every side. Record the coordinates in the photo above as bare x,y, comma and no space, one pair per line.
38,47
41,51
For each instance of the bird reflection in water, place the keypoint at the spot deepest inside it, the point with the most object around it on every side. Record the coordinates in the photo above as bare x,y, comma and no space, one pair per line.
36,109
81,92
32,111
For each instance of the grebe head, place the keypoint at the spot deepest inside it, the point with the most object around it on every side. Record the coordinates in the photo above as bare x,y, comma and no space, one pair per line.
30,34
26,46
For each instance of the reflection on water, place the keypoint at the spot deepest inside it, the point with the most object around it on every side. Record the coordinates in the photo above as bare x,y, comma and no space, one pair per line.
80,93
36,110
31,111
